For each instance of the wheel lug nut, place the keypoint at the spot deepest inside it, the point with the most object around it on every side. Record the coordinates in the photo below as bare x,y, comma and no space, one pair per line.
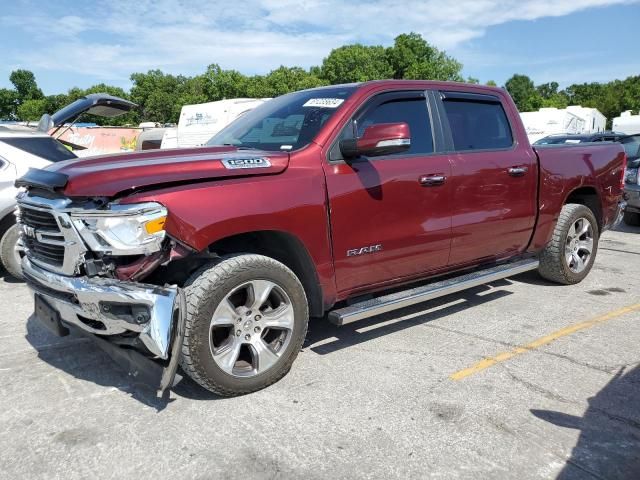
238,333
257,329
248,313
247,337
258,317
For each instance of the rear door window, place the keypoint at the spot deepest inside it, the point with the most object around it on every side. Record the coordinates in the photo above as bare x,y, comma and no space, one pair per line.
477,125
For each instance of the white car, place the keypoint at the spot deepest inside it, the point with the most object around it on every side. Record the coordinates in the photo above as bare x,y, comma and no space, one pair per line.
22,148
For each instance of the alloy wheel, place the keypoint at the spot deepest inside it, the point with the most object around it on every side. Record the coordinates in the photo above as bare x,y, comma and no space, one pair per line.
251,328
579,245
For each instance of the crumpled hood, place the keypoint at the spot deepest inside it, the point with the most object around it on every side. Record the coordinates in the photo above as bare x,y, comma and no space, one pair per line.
109,175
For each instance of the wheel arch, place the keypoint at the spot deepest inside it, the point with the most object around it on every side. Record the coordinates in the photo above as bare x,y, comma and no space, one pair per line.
588,196
283,247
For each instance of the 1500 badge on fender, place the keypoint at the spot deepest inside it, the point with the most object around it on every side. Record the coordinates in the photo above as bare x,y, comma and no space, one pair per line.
253,162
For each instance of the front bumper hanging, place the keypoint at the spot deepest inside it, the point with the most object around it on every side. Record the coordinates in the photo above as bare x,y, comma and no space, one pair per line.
102,308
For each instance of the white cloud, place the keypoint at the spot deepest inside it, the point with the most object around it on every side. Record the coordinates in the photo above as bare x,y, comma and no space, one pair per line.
112,38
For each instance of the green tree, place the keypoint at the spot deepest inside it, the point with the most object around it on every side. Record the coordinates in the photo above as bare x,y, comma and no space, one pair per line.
356,63
524,93
288,79
156,93
411,57
31,110
220,84
492,83
25,84
8,104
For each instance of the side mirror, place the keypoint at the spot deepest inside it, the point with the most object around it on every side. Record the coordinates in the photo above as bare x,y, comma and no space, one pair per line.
46,123
380,139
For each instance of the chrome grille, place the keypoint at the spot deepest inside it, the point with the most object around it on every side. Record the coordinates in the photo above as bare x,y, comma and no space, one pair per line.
48,234
41,236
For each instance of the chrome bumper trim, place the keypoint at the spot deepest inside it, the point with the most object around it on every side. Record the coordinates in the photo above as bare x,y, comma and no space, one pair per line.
73,296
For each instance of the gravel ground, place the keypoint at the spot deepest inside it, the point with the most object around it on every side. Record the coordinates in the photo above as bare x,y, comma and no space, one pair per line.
374,399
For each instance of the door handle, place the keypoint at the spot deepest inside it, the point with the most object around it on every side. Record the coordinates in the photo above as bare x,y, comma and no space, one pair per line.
432,180
517,171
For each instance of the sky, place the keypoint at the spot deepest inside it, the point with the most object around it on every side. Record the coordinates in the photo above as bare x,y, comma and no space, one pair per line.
81,43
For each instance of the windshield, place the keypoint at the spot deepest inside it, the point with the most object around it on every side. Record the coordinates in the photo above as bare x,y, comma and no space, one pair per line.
285,123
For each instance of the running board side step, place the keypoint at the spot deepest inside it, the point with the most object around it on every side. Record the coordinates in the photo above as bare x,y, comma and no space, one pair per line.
405,298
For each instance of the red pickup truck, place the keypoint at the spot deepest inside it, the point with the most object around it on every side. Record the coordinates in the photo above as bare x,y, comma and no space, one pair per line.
340,202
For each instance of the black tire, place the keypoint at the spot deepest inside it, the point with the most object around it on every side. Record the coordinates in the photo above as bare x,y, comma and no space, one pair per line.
10,259
205,289
553,262
631,218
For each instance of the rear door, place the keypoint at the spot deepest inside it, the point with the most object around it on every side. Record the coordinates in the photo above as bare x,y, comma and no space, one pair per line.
493,179
387,222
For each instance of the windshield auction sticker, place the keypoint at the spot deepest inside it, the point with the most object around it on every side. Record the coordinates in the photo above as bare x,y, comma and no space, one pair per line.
324,102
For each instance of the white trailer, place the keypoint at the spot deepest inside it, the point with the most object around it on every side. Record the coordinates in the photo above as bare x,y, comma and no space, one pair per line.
198,123
627,123
548,121
594,121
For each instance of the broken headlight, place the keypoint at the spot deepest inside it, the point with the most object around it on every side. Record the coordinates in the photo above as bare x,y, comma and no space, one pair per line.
132,229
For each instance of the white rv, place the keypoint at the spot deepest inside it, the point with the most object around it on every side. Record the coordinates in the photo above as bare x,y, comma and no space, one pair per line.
574,119
594,121
548,121
198,123
627,123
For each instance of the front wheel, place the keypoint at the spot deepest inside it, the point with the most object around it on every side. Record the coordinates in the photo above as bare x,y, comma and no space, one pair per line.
570,254
246,321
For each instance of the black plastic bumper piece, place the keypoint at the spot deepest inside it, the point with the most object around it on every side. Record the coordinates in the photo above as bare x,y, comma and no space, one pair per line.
44,179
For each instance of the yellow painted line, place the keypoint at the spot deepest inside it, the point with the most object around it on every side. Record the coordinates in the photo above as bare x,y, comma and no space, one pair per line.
501,357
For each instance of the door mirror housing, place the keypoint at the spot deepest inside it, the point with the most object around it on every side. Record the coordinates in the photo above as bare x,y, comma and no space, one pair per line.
380,139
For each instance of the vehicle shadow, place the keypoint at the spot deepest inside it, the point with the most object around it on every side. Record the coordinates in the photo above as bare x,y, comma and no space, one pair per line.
623,227
80,357
6,277
325,338
609,442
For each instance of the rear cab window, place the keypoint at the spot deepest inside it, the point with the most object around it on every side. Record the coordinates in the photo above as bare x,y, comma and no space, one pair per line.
477,122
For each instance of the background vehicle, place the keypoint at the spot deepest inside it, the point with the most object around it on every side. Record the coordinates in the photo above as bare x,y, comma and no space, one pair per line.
199,122
21,149
574,119
627,123
631,146
339,200
581,138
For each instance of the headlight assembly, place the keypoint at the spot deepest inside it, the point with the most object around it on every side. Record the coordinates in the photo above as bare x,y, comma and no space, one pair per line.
132,229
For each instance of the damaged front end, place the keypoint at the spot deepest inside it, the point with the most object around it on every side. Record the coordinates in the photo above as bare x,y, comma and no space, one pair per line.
84,261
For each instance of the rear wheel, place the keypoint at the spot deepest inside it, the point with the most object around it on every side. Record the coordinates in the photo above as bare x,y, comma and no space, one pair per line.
570,254
11,251
631,218
246,322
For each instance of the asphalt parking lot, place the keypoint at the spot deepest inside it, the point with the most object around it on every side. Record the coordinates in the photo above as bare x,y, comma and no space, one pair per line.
521,379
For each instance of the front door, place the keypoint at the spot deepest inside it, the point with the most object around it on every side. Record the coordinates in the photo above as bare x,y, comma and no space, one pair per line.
389,219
